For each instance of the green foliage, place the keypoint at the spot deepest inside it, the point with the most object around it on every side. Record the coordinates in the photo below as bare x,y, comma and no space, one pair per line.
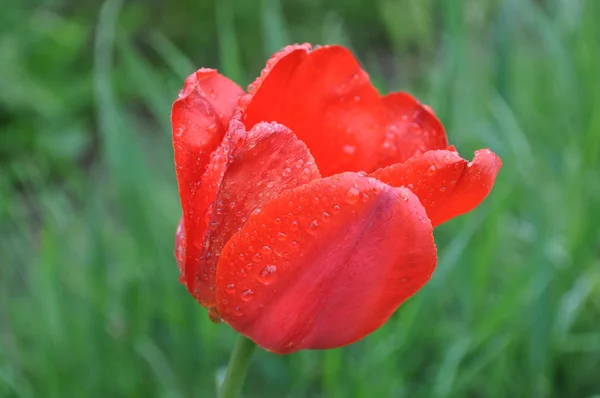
90,304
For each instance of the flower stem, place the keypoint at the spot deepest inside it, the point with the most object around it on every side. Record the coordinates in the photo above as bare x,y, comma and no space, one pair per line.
236,369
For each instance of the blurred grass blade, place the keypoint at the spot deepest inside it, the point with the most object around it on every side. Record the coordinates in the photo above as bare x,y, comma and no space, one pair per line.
229,51
179,63
274,32
108,116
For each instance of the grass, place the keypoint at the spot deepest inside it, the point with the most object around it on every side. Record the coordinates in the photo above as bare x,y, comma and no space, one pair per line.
90,304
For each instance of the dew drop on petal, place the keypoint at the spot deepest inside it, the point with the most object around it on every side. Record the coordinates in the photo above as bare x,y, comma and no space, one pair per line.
353,195
415,128
312,227
247,295
230,288
294,225
267,275
349,150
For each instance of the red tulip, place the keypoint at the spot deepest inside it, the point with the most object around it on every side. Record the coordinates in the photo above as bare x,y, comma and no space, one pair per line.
309,203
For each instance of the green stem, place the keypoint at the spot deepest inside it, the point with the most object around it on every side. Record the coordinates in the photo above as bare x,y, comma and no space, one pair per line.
236,369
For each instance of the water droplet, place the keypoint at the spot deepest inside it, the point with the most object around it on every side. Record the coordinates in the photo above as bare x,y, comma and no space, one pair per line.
281,236
299,163
294,225
256,258
349,149
404,197
238,311
181,93
266,249
312,227
336,207
267,275
286,172
213,315
247,295
277,220
442,189
364,198
410,186
431,170
248,266
325,216
230,288
415,128
362,173
353,195
270,184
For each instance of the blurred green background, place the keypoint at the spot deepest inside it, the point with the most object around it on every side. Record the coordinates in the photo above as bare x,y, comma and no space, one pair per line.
90,303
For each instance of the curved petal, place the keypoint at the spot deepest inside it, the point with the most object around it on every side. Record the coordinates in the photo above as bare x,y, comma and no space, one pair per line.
325,264
326,98
199,119
412,129
247,170
446,184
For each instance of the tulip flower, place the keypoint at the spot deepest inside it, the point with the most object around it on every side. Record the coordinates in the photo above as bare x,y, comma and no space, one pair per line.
309,201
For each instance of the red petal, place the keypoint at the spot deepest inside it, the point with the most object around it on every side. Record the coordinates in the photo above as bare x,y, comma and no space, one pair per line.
247,170
199,118
325,264
327,100
445,183
413,129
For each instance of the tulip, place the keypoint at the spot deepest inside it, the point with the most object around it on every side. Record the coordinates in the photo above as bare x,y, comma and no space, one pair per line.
309,202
